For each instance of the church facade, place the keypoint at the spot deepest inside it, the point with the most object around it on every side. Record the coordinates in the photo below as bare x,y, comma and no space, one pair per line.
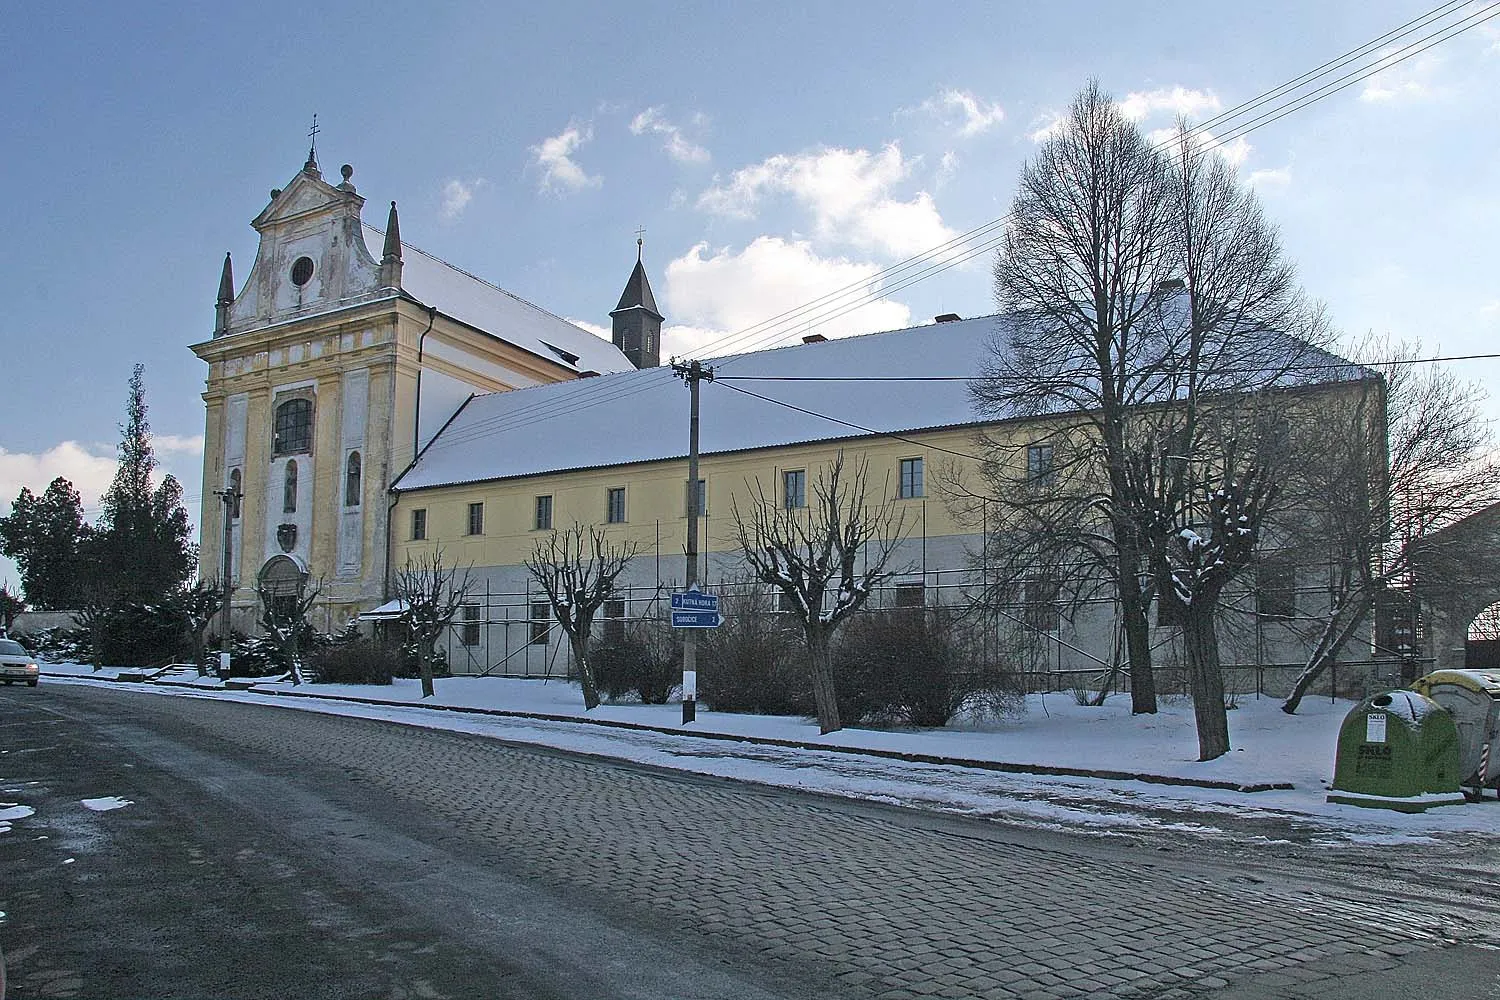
328,370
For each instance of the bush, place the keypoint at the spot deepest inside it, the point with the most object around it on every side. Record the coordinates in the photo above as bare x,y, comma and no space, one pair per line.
59,645
911,666
646,662
756,660
144,635
358,661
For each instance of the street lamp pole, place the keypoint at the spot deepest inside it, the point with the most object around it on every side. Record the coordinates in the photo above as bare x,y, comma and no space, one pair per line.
231,498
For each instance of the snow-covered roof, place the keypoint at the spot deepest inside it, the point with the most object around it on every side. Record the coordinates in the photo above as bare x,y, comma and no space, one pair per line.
642,416
474,301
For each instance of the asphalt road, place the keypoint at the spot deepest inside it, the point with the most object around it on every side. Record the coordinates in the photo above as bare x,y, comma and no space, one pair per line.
270,852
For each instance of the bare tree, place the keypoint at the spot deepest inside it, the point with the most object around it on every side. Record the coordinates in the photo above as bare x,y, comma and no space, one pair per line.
99,600
1078,270
1379,470
1197,566
577,568
10,606
284,617
196,607
1144,293
432,594
825,559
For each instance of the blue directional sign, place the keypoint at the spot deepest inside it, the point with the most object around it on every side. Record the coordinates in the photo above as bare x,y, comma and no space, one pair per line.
693,600
696,619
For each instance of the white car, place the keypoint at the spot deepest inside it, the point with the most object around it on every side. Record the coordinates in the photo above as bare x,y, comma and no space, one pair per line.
16,664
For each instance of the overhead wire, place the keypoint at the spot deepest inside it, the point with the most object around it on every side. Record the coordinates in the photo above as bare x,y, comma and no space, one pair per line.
962,248
951,253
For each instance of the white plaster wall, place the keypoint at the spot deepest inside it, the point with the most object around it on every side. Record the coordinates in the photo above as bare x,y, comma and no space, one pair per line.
351,520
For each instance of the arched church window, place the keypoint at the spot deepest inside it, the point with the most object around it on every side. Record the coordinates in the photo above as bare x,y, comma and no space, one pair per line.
235,493
351,480
289,490
293,427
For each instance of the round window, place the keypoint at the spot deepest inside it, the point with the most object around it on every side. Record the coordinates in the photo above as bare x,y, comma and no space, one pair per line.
302,271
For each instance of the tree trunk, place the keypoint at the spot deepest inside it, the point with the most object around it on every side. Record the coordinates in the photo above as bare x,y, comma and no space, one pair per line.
1331,643
1200,640
1133,609
820,659
580,644
424,667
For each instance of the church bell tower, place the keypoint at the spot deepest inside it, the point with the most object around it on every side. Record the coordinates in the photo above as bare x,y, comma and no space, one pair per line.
636,321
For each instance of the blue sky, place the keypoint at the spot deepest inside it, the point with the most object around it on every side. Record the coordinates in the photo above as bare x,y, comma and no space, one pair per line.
772,152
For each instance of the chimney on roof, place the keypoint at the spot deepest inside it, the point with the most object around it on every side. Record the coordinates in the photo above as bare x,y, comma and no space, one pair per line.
947,318
814,338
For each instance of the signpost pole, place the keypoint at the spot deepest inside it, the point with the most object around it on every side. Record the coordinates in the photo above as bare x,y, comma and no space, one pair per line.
692,373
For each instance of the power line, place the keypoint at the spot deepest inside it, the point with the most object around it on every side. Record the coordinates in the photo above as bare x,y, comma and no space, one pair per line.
829,307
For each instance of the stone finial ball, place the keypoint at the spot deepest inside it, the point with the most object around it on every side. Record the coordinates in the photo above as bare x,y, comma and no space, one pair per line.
275,193
347,171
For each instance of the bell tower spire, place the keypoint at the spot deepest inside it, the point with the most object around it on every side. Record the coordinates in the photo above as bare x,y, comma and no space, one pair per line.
635,322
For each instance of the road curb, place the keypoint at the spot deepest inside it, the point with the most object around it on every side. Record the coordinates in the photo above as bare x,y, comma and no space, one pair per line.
914,758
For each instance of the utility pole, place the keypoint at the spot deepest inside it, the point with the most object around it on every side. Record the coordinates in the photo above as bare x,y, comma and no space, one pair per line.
692,373
231,498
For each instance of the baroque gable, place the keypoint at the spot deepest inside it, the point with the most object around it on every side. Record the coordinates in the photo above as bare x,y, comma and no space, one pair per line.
312,255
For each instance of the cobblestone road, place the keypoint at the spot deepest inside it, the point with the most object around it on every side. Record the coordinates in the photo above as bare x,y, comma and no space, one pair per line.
884,902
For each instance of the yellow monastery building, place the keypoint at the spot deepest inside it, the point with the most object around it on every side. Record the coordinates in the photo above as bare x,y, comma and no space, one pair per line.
363,413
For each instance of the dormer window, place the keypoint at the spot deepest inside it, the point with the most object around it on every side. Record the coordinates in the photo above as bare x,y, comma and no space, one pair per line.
293,427
302,271
568,356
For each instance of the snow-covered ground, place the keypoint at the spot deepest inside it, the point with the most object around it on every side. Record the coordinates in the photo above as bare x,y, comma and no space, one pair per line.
1054,732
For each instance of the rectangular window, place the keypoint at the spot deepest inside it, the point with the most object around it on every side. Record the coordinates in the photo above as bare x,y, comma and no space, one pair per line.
1039,468
469,631
1040,610
476,518
1276,589
794,488
614,622
614,505
419,524
910,595
911,479
702,497
543,513
541,622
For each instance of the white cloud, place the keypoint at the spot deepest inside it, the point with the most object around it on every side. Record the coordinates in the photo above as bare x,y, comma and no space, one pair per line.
457,193
1277,179
1141,104
1412,80
947,167
850,193
1236,150
968,114
594,328
678,146
89,472
554,155
1045,125
712,294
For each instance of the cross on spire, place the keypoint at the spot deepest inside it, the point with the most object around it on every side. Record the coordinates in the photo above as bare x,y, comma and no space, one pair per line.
312,133
640,241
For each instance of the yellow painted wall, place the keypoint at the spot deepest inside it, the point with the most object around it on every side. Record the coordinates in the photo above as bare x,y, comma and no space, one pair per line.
656,497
